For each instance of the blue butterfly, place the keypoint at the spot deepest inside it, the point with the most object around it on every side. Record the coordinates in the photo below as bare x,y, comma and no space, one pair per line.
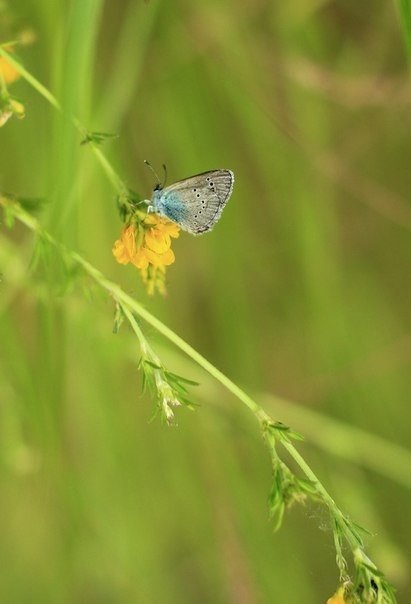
194,203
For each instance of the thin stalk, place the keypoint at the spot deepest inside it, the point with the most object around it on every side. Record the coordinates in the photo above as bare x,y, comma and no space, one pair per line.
328,500
145,346
113,177
30,79
129,305
404,12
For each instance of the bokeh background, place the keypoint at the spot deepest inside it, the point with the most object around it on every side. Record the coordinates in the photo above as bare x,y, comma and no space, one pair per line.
301,295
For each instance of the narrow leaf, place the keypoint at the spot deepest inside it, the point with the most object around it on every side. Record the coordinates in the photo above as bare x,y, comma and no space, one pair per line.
404,10
97,137
118,319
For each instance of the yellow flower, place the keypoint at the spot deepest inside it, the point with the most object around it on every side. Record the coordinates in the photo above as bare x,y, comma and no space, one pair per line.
158,237
338,597
7,71
125,248
8,105
154,279
147,245
157,259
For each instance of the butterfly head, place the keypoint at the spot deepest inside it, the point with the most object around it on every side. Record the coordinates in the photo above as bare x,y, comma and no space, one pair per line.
158,186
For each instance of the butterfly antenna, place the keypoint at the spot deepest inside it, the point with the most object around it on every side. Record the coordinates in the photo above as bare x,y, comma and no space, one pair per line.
153,171
165,175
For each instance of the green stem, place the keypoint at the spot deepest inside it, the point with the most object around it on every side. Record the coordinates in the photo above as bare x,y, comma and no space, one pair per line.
113,177
111,174
30,79
3,86
128,304
145,346
328,500
127,301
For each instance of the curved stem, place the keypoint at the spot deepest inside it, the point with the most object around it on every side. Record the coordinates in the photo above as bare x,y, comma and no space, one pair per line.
113,177
328,500
129,304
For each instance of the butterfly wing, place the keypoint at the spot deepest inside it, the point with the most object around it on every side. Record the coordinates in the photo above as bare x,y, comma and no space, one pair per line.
196,203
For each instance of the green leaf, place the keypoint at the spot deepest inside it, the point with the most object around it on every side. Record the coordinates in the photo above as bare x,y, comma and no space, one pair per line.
276,503
295,435
188,403
404,10
151,384
177,387
372,570
280,427
360,529
143,383
179,378
118,319
308,486
151,364
97,138
32,204
9,218
41,254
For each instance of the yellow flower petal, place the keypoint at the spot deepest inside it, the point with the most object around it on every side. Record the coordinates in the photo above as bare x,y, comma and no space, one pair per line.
140,259
151,219
147,245
124,248
128,237
9,73
170,228
338,597
157,241
163,224
164,259
119,252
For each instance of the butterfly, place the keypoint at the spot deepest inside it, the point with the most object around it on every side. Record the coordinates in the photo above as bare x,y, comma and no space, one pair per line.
194,203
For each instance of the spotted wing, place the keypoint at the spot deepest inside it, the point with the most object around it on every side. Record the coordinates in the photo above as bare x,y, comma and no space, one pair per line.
203,197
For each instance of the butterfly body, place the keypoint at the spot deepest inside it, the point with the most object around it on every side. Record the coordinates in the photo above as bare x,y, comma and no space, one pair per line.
169,204
195,203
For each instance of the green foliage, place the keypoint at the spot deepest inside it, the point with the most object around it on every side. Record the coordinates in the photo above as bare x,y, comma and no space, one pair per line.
167,389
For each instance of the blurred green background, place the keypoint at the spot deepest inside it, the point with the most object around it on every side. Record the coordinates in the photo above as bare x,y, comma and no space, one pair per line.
301,295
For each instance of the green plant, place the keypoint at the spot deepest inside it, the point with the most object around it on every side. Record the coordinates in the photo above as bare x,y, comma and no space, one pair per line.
367,584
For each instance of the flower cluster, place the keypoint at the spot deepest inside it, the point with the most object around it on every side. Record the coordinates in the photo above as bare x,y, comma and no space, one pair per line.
146,243
338,597
8,105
